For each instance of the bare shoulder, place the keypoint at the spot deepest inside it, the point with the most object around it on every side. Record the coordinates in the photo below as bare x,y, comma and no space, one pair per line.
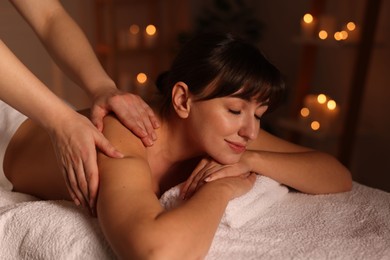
127,176
121,137
268,142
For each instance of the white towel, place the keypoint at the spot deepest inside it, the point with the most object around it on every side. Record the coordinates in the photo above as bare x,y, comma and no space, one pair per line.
10,120
351,225
239,211
34,229
343,226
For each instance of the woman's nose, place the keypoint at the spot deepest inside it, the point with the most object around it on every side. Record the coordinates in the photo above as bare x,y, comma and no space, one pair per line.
250,129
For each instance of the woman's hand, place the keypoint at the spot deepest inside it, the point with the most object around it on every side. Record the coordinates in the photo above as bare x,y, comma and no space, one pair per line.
239,185
130,109
209,170
75,141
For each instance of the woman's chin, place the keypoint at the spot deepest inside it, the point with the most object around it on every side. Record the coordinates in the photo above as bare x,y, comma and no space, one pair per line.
229,159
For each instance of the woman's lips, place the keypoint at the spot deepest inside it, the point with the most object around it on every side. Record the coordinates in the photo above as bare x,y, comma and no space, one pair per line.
236,147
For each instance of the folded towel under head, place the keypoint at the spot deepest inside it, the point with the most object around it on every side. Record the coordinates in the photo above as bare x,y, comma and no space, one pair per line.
239,211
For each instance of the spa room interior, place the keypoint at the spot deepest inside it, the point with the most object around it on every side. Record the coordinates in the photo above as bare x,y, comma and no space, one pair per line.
335,58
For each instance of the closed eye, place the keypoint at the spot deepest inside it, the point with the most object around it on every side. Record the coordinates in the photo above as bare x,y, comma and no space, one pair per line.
235,112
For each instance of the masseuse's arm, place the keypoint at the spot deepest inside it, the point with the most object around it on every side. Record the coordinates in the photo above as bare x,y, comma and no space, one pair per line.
71,50
26,93
132,219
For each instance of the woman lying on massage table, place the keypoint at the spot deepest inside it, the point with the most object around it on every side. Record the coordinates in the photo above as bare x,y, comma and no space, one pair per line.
212,101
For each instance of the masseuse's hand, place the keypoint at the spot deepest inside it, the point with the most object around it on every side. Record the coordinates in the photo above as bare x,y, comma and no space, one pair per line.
130,109
209,170
75,141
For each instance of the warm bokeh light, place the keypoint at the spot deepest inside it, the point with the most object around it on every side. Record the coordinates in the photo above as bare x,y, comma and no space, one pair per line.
323,35
321,98
338,36
308,18
151,29
351,26
331,104
315,125
142,78
134,29
305,112
344,35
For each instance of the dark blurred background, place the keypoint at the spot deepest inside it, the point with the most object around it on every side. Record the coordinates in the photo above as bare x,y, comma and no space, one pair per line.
350,69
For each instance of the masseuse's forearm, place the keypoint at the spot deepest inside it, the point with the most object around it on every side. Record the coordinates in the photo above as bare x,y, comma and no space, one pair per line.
66,43
26,93
311,172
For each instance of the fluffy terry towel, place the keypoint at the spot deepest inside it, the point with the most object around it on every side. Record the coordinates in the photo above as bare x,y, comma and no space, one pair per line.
35,229
10,120
239,211
351,225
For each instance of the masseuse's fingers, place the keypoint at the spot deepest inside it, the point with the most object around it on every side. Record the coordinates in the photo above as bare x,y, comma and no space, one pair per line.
131,110
81,181
75,145
87,170
72,184
91,168
64,157
70,190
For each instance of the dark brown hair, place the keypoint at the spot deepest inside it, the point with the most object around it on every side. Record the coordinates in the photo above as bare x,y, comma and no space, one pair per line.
219,65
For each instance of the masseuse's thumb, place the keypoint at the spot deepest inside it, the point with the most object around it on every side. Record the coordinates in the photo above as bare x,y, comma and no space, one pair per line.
106,147
97,118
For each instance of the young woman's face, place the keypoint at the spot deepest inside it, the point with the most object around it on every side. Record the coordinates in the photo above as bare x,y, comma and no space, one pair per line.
223,127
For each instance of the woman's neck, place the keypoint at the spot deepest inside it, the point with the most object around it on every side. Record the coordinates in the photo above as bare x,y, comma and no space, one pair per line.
173,156
173,142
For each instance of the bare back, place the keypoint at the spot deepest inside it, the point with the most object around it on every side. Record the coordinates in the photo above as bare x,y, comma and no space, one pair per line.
31,165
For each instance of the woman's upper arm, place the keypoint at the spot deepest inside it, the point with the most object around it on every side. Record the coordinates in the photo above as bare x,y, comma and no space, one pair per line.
126,200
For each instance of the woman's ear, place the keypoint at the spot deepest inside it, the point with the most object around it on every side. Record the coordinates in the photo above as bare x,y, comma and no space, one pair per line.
181,99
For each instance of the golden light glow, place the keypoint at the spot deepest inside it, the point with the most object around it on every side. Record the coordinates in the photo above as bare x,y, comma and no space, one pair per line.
323,35
308,18
305,112
134,29
151,29
142,78
344,35
338,36
331,104
321,98
315,125
351,26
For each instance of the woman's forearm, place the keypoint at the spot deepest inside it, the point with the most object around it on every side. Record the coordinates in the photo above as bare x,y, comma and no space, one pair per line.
311,172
